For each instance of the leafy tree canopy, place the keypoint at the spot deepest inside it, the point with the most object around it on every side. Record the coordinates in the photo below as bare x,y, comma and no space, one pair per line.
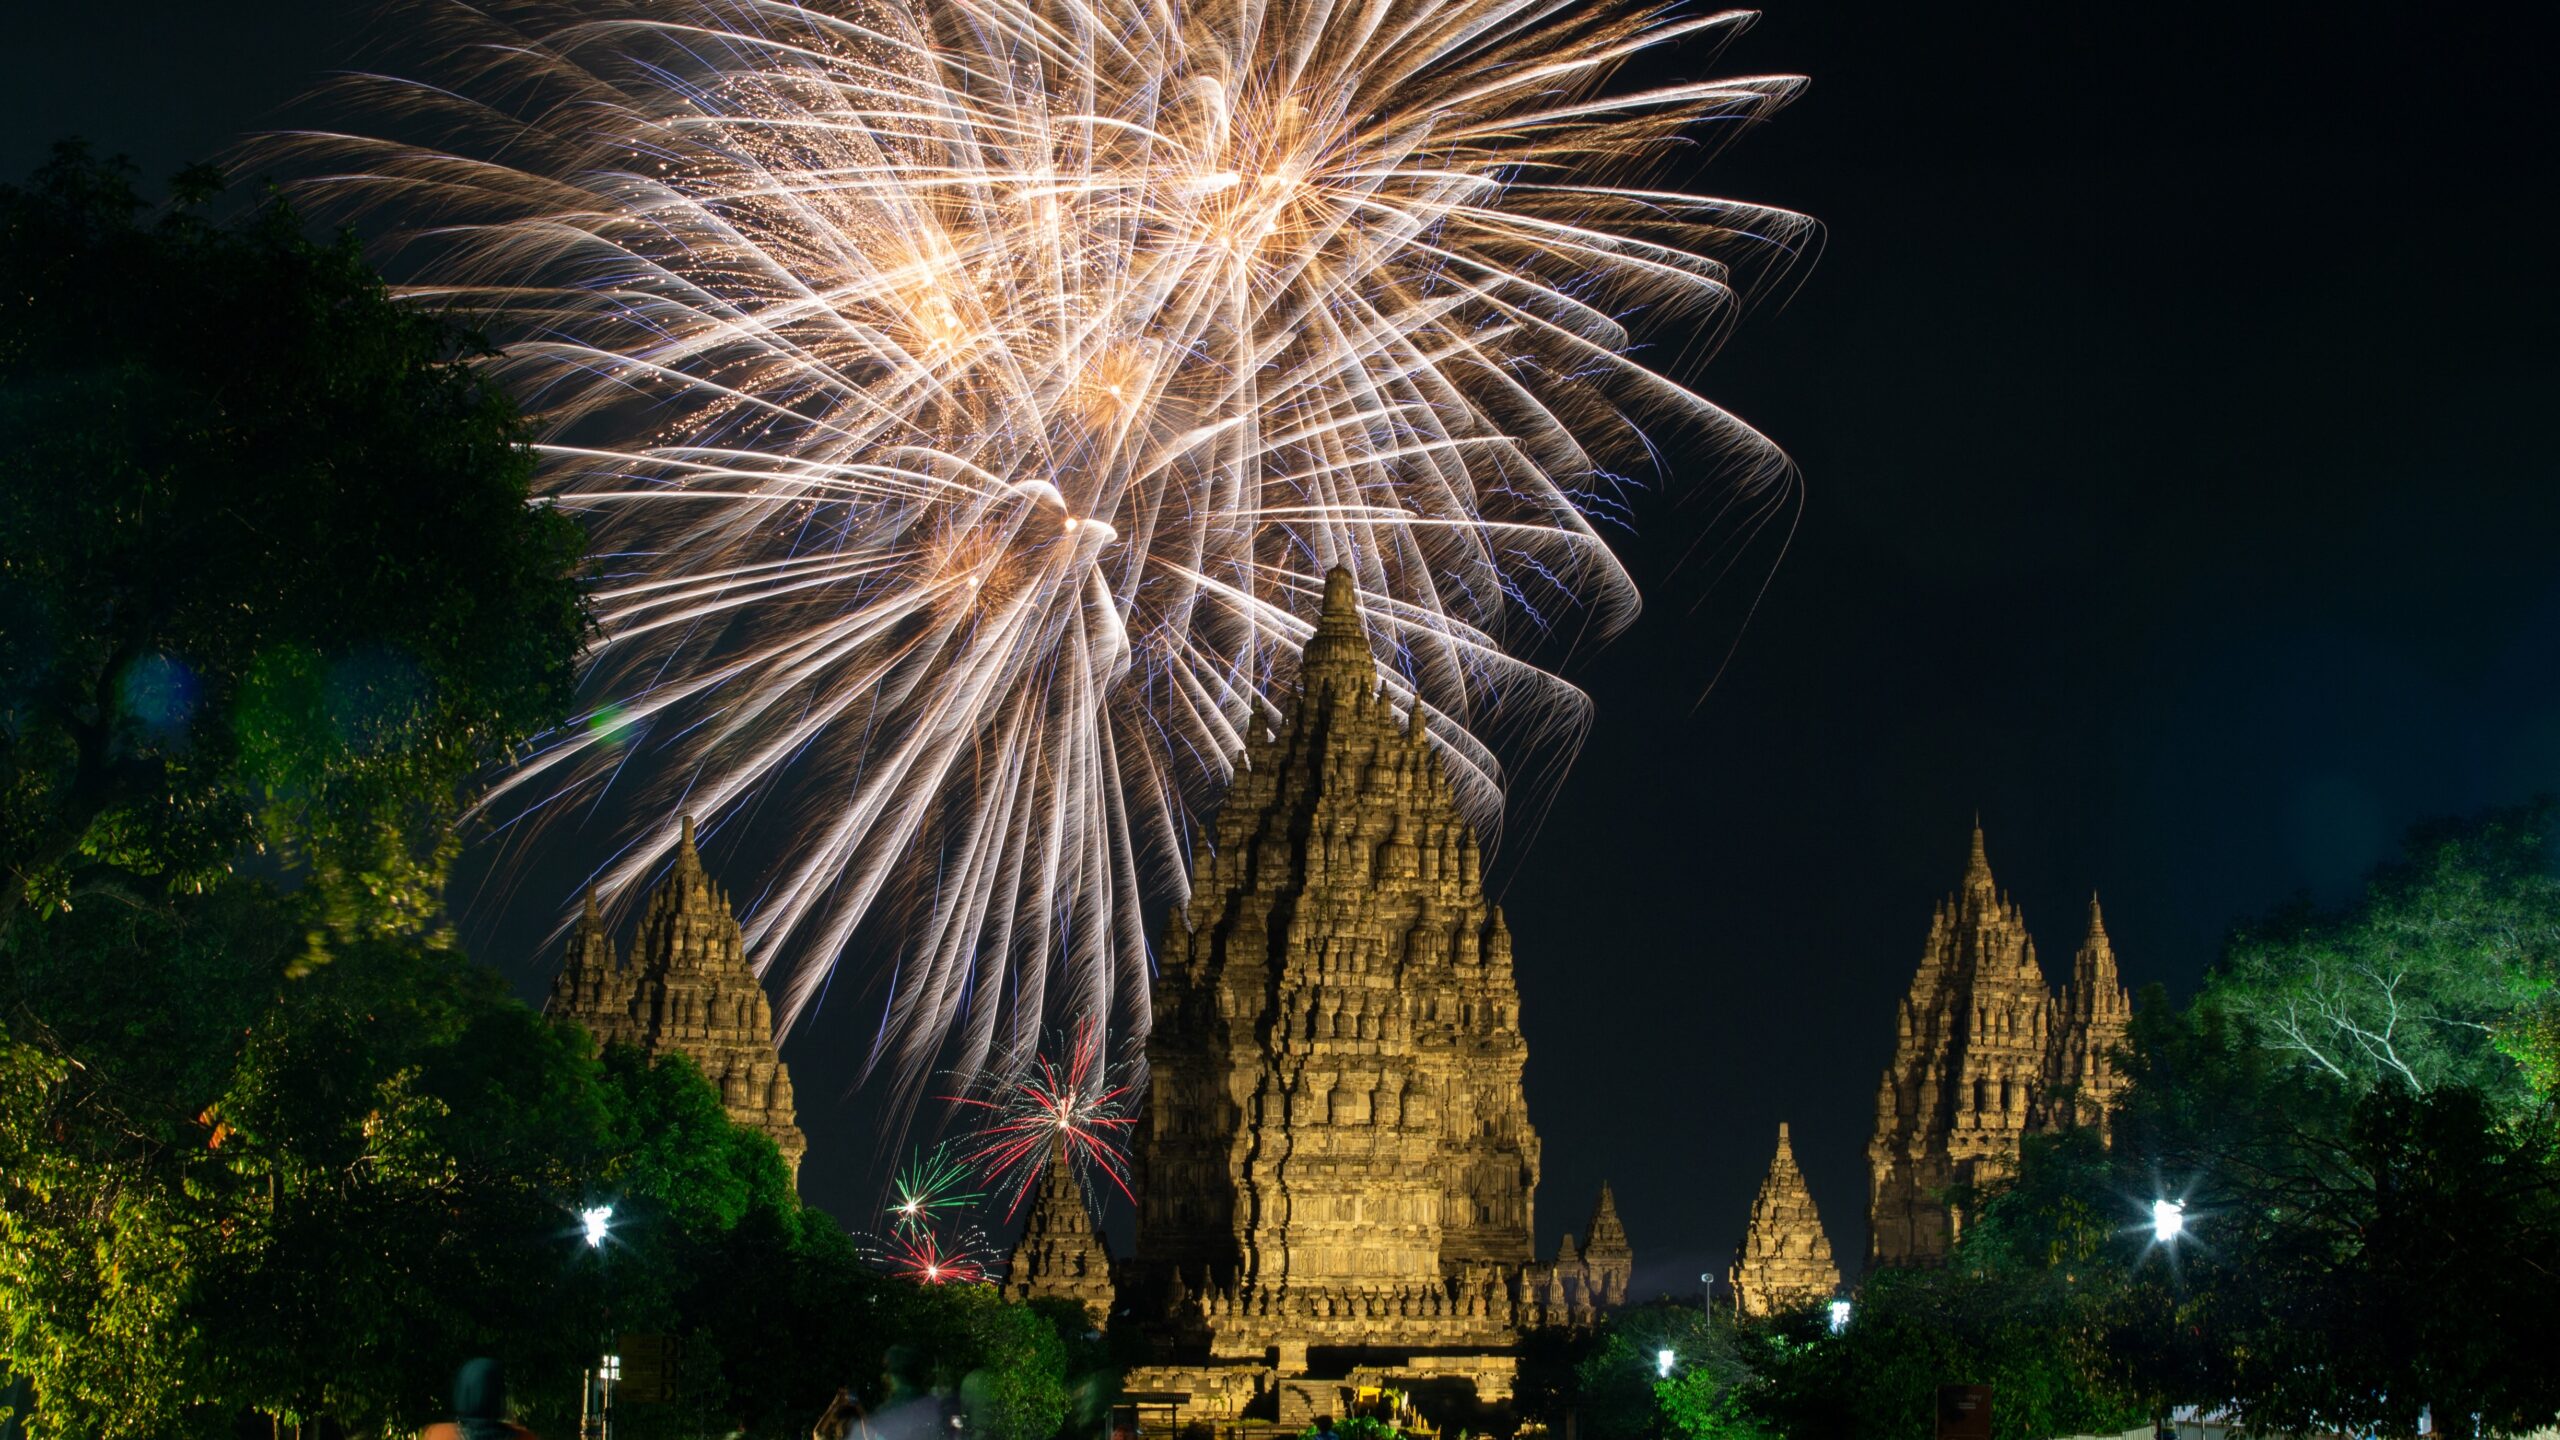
2356,1260
268,577
2441,974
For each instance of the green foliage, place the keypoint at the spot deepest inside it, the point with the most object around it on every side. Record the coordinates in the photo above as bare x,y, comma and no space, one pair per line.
357,1177
1695,1405
342,1185
2027,1332
269,584
1357,1427
268,577
1006,1362
1611,1381
2442,974
2357,1257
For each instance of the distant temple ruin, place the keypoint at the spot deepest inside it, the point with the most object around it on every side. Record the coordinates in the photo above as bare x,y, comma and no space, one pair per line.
1062,1254
1985,1055
1784,1262
686,989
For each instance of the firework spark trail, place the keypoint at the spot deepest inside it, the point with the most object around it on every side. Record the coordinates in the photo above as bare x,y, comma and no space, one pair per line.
928,1191
1076,1106
975,394
932,1257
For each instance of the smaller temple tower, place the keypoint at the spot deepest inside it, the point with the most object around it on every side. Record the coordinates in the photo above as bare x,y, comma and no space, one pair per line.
1608,1261
1984,1056
687,988
1585,1278
2082,1083
1062,1254
1785,1258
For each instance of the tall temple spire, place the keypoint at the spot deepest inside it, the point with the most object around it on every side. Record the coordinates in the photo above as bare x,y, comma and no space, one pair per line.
1784,1260
1336,1150
1338,653
686,878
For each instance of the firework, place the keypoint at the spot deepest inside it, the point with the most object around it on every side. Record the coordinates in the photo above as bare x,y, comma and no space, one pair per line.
929,1190
971,396
934,1257
1075,1106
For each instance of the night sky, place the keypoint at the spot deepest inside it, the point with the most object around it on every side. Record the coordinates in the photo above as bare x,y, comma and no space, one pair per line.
2173,401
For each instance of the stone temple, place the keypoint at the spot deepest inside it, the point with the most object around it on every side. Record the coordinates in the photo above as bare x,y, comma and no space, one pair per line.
1336,1174
1784,1262
1062,1254
1985,1055
687,989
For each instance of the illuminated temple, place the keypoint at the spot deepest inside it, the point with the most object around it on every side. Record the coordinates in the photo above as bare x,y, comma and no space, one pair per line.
1984,1055
687,989
1336,1175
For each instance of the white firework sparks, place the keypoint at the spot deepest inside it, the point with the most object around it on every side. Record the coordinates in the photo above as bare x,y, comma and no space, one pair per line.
973,395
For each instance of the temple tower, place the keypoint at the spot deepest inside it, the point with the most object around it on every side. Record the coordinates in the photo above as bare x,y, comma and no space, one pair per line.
1784,1260
1608,1261
2082,1083
1336,1152
1980,1049
1062,1254
687,988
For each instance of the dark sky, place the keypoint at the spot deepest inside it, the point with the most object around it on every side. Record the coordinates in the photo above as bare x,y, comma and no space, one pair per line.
2174,401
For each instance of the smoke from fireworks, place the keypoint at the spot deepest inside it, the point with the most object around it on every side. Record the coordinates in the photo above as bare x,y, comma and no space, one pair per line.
1075,1106
970,397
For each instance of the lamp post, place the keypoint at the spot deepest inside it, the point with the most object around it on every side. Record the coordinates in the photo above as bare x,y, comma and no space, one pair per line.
595,1399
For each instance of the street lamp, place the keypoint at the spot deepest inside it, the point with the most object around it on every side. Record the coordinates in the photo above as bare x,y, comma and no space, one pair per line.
1663,1360
2168,1220
1839,1316
596,1219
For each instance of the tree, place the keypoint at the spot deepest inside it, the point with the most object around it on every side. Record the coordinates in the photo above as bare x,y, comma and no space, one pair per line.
1612,1378
1004,1361
351,1181
2024,1304
268,575
2441,974
2360,1256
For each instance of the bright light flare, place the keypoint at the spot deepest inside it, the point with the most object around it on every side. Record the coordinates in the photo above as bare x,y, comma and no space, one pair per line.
1663,1360
596,1220
2168,1220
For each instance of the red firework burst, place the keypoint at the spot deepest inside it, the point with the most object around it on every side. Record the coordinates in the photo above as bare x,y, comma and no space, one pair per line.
923,1256
1076,1105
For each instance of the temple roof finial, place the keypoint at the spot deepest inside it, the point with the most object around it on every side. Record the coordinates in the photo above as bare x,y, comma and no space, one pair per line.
688,871
1339,650
1977,869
